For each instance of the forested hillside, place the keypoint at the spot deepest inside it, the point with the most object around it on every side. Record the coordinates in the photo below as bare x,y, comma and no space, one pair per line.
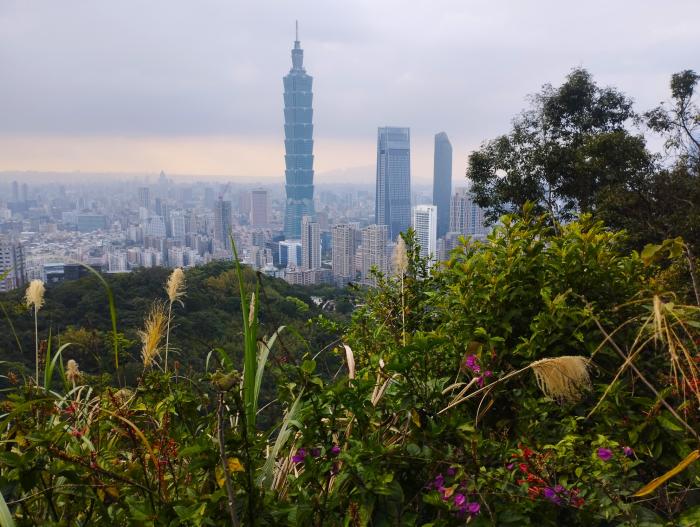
209,317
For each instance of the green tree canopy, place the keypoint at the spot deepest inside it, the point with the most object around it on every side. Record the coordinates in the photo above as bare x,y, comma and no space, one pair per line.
572,143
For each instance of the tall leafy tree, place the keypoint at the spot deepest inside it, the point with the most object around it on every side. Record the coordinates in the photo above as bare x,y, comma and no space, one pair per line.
679,121
572,143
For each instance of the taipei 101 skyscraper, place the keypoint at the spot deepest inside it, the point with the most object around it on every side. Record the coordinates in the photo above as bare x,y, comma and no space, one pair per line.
298,144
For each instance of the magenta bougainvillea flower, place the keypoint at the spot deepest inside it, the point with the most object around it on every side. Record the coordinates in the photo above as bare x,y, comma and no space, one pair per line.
627,450
299,456
472,362
605,454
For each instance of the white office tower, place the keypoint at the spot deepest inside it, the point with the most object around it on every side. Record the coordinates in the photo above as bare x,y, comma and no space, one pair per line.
374,251
466,217
343,243
425,225
12,261
310,244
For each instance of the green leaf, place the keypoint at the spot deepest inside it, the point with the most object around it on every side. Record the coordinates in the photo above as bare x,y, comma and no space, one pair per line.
668,424
690,518
649,253
308,366
5,515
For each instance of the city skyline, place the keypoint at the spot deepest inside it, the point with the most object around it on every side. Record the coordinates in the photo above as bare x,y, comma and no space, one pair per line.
139,100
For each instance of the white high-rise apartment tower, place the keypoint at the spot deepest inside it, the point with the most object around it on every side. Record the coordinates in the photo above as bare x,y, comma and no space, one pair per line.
343,245
310,244
12,260
374,251
425,225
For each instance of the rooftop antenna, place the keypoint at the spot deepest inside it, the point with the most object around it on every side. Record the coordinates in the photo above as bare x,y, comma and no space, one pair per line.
297,27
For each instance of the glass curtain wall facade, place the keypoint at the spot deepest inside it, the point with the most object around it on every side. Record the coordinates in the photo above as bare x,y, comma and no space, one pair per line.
393,197
442,182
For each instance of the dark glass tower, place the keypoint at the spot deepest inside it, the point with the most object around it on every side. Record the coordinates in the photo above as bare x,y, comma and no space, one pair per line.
442,182
393,198
298,144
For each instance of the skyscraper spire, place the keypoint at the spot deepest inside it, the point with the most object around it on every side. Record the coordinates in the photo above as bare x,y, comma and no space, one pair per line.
296,22
298,143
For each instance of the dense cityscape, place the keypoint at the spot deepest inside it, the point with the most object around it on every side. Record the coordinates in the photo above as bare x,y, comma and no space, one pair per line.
335,236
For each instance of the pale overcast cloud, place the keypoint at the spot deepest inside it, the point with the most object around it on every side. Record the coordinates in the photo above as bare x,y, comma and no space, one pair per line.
195,86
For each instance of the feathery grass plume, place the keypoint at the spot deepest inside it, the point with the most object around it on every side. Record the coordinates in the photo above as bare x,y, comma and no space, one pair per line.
400,257
35,298
152,334
175,287
72,371
562,378
35,294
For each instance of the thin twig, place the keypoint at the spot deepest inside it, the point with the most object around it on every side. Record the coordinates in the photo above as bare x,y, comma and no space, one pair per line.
645,381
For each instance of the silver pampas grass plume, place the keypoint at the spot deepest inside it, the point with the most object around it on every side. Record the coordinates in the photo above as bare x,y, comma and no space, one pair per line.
72,371
175,286
35,294
399,258
562,378
152,334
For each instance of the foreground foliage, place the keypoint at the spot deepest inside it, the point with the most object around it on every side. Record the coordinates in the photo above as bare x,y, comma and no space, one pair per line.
543,376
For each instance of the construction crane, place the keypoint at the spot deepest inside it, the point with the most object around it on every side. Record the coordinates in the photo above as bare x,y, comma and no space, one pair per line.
224,190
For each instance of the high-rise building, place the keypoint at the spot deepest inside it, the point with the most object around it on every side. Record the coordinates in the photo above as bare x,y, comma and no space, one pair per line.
374,251
15,191
25,192
466,217
12,260
343,244
222,222
290,253
425,225
310,244
393,196
298,144
145,197
442,182
258,207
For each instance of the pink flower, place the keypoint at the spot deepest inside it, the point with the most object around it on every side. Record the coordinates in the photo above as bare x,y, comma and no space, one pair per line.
459,499
474,508
627,450
335,450
605,454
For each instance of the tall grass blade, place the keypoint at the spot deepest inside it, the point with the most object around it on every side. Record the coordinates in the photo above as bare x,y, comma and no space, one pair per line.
51,365
264,351
112,309
656,483
265,476
5,515
249,312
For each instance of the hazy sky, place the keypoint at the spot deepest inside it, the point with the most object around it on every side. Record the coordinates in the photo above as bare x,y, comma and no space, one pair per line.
195,87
